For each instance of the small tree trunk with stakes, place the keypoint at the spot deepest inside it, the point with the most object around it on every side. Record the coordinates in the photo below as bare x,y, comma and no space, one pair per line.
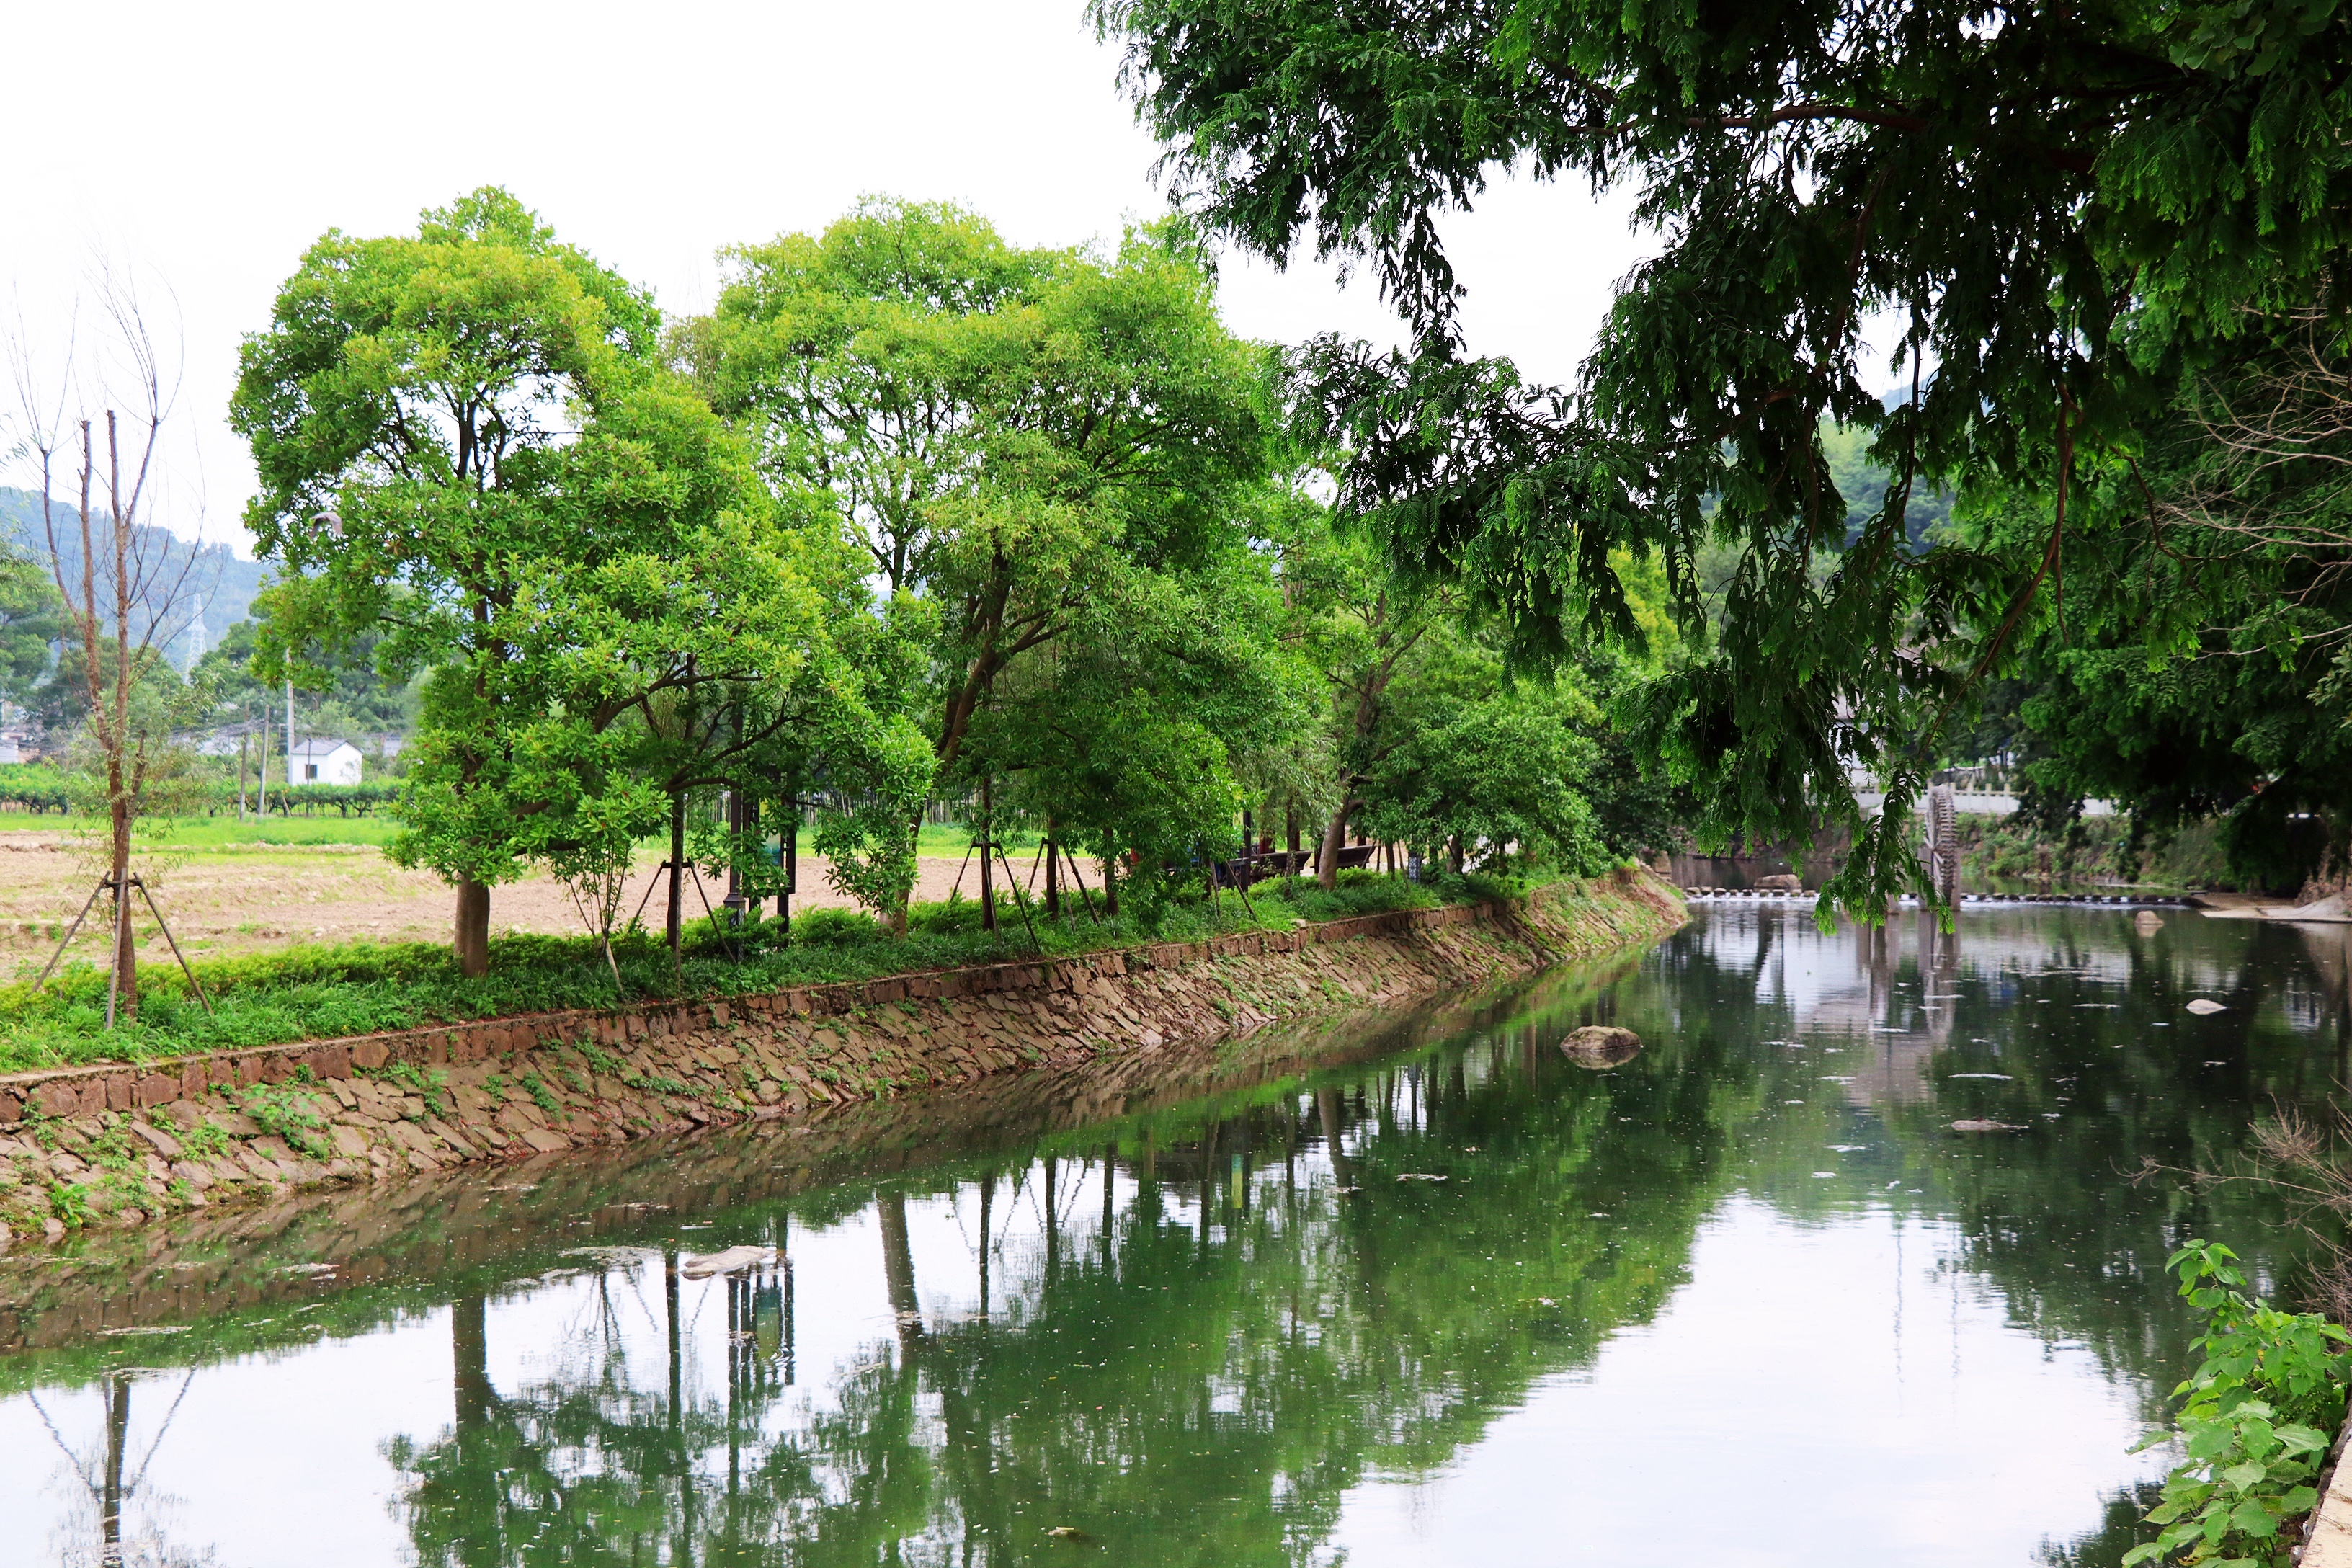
127,590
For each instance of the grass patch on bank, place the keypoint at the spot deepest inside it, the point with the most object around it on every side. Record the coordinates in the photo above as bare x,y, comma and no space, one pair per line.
356,988
227,833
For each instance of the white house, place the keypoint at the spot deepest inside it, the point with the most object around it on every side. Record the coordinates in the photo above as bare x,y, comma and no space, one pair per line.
323,761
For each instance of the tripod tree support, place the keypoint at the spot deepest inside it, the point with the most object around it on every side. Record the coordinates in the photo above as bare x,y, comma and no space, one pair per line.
1081,881
1017,897
70,932
185,968
121,914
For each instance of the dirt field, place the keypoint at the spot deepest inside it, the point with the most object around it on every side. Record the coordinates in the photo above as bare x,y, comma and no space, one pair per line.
255,896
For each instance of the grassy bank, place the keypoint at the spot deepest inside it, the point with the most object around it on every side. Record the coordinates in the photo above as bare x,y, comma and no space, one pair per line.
312,992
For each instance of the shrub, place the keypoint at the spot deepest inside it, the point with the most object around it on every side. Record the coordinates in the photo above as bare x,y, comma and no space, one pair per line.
2256,1422
840,928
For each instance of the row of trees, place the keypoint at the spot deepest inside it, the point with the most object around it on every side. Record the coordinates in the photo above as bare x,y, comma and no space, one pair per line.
911,513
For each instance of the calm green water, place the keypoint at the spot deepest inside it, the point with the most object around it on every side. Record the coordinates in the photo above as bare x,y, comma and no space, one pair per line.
1745,1299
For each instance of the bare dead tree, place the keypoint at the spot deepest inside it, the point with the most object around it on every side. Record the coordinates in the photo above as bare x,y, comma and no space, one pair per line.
129,584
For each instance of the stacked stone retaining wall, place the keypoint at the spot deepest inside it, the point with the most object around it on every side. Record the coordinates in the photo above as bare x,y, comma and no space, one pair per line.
122,1145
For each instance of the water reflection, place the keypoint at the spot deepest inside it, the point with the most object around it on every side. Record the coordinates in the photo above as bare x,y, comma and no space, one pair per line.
1425,1293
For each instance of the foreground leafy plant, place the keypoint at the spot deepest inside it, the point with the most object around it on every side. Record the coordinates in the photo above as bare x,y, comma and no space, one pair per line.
2256,1425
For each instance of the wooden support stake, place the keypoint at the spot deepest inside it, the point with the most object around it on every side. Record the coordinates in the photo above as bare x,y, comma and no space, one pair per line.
1081,881
650,885
1017,897
70,930
193,983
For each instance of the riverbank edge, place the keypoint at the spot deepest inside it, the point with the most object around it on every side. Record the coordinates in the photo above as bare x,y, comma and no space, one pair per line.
2327,1534
117,1146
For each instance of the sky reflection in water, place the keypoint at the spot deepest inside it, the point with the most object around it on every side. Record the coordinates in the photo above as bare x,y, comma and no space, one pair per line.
1745,1296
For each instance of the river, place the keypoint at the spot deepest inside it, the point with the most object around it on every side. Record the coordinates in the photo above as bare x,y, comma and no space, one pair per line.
1417,1291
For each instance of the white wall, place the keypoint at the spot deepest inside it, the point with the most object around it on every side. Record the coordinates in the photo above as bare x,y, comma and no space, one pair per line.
340,766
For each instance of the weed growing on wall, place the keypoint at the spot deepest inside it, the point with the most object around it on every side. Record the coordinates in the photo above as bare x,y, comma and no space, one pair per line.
289,1113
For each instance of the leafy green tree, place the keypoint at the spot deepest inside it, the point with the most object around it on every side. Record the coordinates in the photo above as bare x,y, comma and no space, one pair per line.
1478,758
1359,625
1041,445
32,617
2056,206
468,444
346,689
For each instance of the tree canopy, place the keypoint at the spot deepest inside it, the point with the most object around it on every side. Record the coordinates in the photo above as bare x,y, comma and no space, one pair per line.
468,444
2058,208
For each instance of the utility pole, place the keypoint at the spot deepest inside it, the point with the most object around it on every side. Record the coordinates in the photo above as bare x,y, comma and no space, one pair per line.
289,733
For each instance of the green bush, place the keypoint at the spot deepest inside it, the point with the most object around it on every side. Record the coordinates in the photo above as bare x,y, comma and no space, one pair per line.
2260,1412
834,927
37,787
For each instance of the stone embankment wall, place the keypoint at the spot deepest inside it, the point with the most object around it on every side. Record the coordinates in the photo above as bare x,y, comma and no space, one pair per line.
122,1145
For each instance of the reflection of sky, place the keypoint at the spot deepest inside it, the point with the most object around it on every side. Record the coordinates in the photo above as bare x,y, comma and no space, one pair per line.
1898,992
1831,1392
1796,966
271,1457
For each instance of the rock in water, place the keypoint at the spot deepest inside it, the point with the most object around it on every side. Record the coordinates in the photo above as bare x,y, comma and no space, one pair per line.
1601,1046
2147,923
1985,1127
731,1261
1783,883
2202,1008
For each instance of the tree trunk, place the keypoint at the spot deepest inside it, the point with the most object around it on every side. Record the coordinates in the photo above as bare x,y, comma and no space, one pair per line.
899,1268
1053,871
676,917
987,853
791,807
1110,881
1335,838
473,944
126,950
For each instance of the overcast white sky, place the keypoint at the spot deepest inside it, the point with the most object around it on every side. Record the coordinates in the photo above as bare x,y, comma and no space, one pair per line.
209,146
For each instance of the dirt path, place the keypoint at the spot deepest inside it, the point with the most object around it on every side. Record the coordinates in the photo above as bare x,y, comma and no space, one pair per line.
259,896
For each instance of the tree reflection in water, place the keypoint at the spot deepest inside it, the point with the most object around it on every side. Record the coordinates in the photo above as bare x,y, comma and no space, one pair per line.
106,1484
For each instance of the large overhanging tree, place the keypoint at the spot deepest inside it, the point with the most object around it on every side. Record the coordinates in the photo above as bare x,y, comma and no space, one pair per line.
2057,205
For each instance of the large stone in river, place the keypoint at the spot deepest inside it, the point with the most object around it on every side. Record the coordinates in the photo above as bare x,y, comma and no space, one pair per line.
1783,883
1601,1046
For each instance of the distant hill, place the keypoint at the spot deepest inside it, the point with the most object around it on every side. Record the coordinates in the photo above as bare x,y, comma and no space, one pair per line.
1865,487
223,585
